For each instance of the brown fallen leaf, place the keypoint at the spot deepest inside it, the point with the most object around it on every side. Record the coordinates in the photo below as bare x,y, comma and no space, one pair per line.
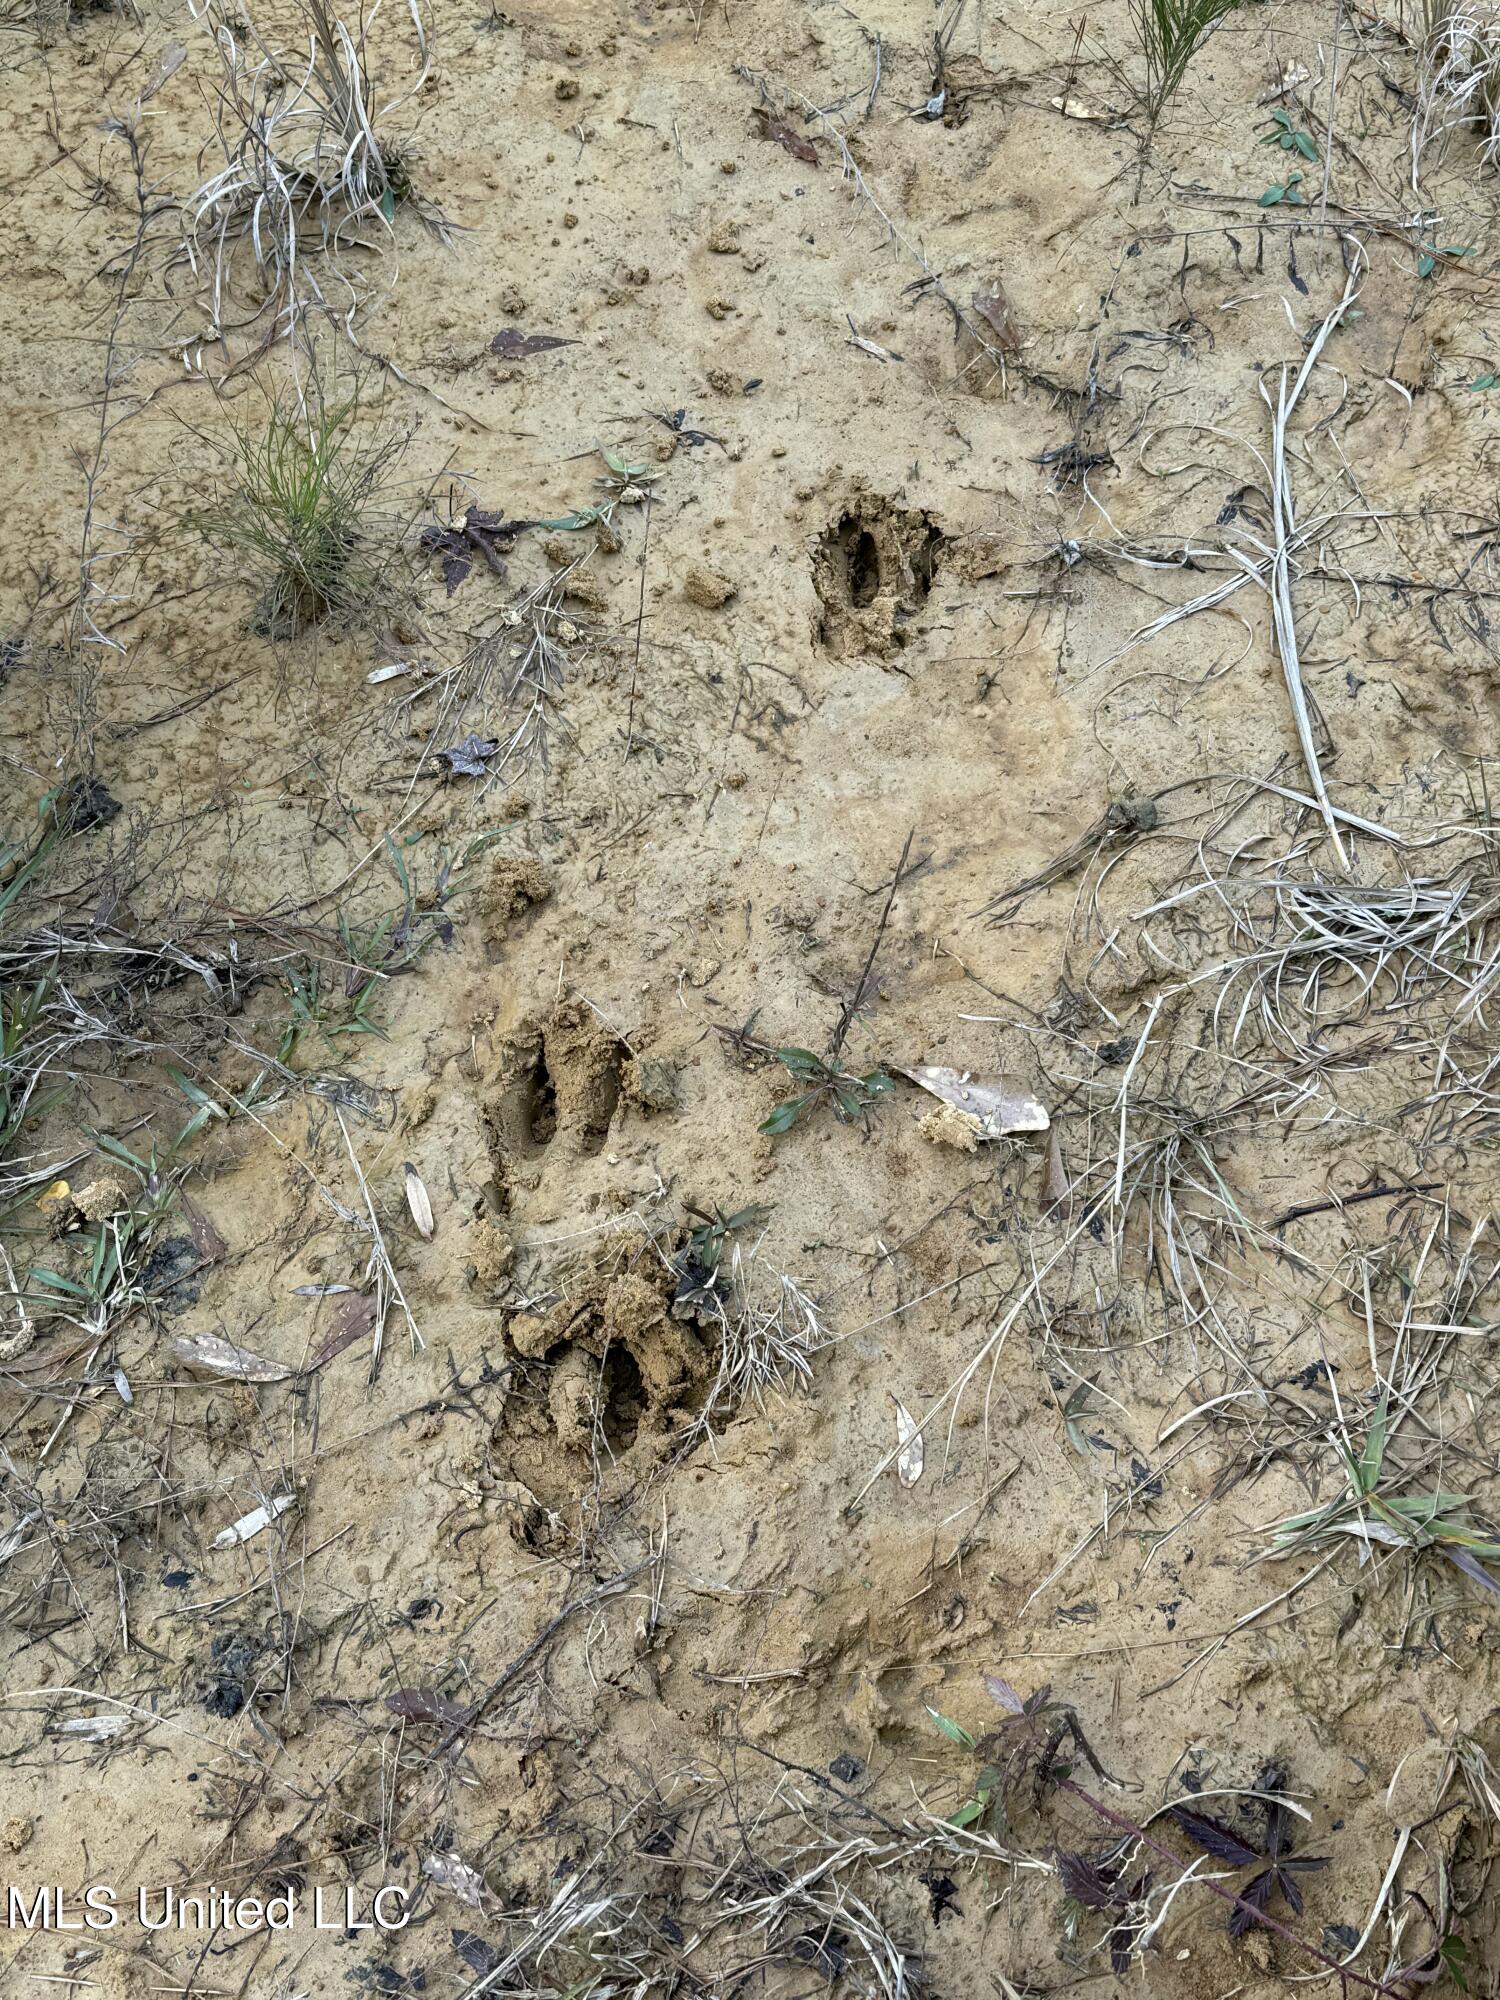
211,1354
993,307
354,1320
425,1704
513,345
997,1108
207,1241
800,147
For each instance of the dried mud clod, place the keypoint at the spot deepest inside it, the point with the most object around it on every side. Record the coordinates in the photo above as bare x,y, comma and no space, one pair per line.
873,568
517,884
611,1373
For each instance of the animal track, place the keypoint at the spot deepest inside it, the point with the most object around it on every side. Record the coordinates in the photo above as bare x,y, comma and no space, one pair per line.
873,569
559,1093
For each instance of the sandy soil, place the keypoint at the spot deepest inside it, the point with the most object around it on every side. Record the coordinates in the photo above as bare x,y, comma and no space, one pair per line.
554,1609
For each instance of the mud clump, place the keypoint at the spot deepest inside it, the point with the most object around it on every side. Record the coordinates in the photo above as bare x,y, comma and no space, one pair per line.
518,883
873,568
708,588
620,1371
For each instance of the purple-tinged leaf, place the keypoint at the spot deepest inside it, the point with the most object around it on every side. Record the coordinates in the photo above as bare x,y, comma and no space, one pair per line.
1084,1882
1257,1894
513,345
425,1704
1004,1695
1222,1842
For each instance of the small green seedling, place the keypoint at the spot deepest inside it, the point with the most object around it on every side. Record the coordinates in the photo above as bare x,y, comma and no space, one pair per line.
1484,382
851,1096
1427,262
625,485
1289,137
1288,191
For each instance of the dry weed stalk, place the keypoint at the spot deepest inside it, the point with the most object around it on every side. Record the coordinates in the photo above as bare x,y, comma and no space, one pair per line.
303,169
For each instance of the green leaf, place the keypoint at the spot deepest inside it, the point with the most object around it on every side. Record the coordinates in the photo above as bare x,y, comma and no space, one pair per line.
1367,1466
784,1117
1273,194
388,205
1485,382
954,1731
57,1283
967,1814
1304,146
196,1094
1426,265
802,1062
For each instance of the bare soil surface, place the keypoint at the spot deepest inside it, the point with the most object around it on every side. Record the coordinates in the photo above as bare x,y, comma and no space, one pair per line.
588,1603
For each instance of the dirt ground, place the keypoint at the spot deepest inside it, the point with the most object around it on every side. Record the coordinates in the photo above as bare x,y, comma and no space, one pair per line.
588,1604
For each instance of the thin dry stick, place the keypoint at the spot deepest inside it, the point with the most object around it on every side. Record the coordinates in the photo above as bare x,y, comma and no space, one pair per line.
1333,102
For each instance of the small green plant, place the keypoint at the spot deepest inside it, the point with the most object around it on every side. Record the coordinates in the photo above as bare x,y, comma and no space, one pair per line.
21,1013
1289,137
624,485
110,1275
1372,1510
308,507
1427,263
369,953
850,1095
1170,33
1484,382
1289,191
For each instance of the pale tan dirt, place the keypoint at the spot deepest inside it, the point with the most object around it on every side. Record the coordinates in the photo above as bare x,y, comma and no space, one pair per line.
869,605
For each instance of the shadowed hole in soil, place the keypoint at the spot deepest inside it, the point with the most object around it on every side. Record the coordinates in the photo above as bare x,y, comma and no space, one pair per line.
864,564
622,1397
541,1103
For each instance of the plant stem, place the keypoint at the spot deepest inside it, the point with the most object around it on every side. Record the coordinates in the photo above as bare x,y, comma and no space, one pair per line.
1127,1825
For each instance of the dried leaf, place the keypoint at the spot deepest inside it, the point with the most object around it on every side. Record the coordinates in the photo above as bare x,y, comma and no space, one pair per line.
393,672
997,1108
93,1728
797,145
513,345
909,1459
252,1523
211,1354
478,1955
1057,1179
167,64
207,1241
354,1320
417,1201
452,1872
425,1704
993,307
470,758
1075,107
